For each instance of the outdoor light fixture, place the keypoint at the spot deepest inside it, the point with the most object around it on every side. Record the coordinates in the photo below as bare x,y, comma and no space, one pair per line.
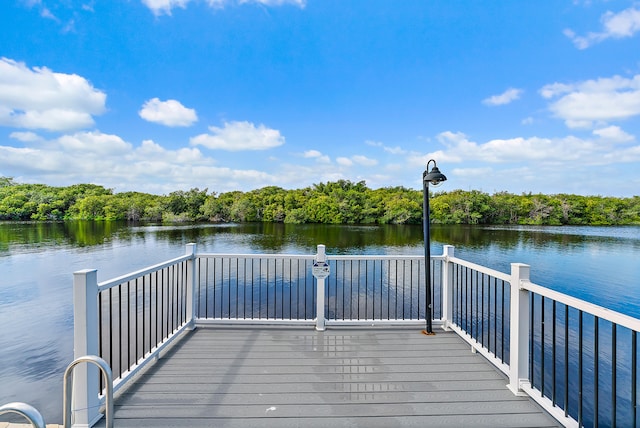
435,178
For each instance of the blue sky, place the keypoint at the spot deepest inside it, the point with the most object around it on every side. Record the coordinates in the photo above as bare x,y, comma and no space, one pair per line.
164,95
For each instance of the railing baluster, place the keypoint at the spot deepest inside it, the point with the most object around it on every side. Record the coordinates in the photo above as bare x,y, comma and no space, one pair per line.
542,343
614,363
111,326
100,336
596,364
137,327
503,324
531,342
580,348
553,353
634,376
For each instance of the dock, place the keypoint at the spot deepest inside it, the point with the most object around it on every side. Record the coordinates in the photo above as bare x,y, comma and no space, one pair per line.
278,340
299,377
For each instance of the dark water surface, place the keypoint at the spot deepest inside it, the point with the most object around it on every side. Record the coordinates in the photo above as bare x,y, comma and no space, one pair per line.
597,264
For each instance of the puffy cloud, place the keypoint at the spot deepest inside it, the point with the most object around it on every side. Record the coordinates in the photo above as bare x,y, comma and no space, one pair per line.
38,98
299,3
26,137
549,165
159,7
318,156
356,160
594,101
237,136
344,161
364,161
529,151
312,154
94,143
169,113
397,150
614,134
106,159
506,97
614,26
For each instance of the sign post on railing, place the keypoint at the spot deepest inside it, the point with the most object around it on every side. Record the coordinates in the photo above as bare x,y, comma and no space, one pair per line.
85,342
519,329
191,285
447,286
320,271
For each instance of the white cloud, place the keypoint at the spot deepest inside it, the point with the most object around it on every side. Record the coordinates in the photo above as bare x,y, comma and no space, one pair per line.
38,98
318,156
614,26
356,160
159,7
344,161
108,160
590,102
170,113
529,151
46,13
299,3
614,134
94,144
312,154
26,137
237,136
364,161
397,150
506,97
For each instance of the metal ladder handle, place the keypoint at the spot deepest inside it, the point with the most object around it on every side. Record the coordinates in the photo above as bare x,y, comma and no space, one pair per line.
67,388
29,412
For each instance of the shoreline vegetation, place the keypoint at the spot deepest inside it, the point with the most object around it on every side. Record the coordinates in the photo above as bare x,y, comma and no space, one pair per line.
340,202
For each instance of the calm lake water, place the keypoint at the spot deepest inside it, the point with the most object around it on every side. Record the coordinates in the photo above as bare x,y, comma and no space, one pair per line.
598,264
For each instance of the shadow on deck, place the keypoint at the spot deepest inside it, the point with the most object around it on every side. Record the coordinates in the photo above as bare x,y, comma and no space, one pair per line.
294,377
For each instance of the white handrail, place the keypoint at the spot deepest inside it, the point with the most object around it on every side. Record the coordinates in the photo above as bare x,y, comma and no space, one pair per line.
67,388
29,412
589,308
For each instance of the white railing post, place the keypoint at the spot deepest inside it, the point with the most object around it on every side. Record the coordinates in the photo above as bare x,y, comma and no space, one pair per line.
447,287
191,285
85,342
320,272
519,329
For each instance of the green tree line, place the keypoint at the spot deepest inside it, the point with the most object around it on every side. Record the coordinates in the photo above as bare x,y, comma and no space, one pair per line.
340,202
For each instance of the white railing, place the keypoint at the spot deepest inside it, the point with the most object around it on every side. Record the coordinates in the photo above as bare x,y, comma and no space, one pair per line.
576,359
535,336
128,321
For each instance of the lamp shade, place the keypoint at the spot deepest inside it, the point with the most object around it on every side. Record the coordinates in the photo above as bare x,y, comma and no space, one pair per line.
434,176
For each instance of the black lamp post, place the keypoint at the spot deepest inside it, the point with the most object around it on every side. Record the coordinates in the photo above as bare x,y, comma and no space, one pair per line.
435,177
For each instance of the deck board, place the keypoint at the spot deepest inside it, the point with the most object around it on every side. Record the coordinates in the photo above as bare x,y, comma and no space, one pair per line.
382,377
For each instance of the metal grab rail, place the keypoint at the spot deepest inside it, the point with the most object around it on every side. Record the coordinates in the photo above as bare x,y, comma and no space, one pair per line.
67,388
29,412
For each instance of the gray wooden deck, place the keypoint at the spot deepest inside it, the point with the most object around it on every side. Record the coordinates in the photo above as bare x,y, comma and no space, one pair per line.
378,377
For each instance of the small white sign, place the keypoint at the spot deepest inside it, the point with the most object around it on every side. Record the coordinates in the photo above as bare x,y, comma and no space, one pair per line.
320,270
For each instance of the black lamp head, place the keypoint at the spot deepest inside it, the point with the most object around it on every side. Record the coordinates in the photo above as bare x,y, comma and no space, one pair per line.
433,177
